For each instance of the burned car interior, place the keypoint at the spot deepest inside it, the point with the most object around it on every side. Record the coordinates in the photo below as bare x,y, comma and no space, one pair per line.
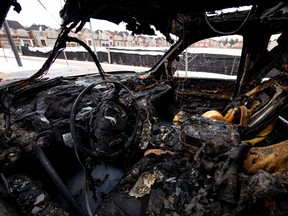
151,143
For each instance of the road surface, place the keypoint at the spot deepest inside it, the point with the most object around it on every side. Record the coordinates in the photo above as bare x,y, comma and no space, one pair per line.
9,68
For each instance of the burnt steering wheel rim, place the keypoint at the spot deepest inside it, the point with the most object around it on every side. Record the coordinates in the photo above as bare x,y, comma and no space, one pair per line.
76,141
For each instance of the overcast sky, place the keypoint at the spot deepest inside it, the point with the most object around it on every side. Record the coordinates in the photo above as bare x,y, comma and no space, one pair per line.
34,13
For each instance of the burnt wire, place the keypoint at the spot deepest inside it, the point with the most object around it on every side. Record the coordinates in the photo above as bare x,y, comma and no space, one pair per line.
89,50
85,180
180,138
77,144
60,45
248,17
5,182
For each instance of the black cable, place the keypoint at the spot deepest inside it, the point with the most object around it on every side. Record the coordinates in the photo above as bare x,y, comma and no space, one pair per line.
77,144
249,15
48,12
59,46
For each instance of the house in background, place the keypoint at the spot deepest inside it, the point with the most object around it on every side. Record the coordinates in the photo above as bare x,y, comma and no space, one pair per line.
115,39
150,41
19,34
44,36
3,39
127,38
202,43
85,35
102,38
52,35
161,42
140,40
38,34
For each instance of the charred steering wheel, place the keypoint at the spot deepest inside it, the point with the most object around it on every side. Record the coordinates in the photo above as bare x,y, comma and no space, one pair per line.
108,118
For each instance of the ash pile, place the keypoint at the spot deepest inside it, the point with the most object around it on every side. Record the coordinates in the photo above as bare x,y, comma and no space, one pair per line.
201,167
210,163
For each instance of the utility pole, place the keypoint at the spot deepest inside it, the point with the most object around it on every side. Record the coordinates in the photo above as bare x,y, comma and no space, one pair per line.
12,44
92,35
108,53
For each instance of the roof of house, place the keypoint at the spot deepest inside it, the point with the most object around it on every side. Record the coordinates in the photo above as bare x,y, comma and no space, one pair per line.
123,33
36,27
112,33
85,29
15,24
99,31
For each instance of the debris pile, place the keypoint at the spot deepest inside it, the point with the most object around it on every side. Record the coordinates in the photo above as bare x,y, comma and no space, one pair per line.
153,143
173,163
